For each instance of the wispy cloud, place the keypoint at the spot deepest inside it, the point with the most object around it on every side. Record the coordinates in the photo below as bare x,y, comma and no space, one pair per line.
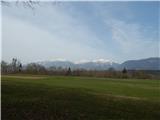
132,39
132,36
70,31
49,34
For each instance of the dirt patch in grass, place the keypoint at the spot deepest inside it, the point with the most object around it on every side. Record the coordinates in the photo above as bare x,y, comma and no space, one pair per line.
119,96
24,77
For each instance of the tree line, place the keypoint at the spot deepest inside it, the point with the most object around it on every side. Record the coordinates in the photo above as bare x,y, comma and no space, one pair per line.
16,67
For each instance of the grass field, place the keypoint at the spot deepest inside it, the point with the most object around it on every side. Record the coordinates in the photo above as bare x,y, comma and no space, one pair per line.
78,98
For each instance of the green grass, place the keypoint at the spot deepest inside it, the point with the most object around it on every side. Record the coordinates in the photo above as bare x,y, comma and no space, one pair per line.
78,98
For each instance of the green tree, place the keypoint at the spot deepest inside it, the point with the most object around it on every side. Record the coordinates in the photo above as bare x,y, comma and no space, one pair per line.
124,71
20,67
69,71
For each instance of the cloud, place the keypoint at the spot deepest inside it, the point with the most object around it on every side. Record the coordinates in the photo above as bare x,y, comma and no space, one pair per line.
51,34
133,39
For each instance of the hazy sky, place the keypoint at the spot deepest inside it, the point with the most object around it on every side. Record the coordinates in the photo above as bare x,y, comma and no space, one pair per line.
75,31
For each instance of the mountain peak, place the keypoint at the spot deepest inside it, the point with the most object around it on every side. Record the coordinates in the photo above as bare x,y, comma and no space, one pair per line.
101,61
94,61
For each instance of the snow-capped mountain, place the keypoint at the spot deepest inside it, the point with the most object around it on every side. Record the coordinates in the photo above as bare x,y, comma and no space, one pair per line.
102,64
94,61
99,64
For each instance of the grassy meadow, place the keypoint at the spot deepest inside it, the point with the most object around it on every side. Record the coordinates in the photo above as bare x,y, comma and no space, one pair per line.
31,97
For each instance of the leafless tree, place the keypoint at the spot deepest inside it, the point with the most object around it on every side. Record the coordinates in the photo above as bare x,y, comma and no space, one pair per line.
29,3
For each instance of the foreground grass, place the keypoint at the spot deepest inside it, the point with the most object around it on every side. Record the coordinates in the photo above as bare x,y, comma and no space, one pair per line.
78,98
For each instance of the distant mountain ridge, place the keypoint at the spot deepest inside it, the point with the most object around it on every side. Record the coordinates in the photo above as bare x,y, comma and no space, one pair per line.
101,64
142,64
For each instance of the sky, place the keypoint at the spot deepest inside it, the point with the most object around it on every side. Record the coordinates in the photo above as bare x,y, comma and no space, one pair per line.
79,31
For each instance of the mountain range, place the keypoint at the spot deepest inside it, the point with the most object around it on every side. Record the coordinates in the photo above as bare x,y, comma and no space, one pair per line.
101,64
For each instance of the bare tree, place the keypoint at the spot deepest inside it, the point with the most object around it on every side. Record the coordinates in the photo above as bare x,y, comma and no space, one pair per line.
14,64
4,67
28,3
35,68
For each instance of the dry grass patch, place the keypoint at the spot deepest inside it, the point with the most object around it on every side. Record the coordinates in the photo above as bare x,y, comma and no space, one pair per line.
24,77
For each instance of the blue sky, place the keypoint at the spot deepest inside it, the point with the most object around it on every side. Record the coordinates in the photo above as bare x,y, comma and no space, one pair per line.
76,31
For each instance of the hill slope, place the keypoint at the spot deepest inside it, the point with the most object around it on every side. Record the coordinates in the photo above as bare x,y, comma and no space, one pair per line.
143,64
